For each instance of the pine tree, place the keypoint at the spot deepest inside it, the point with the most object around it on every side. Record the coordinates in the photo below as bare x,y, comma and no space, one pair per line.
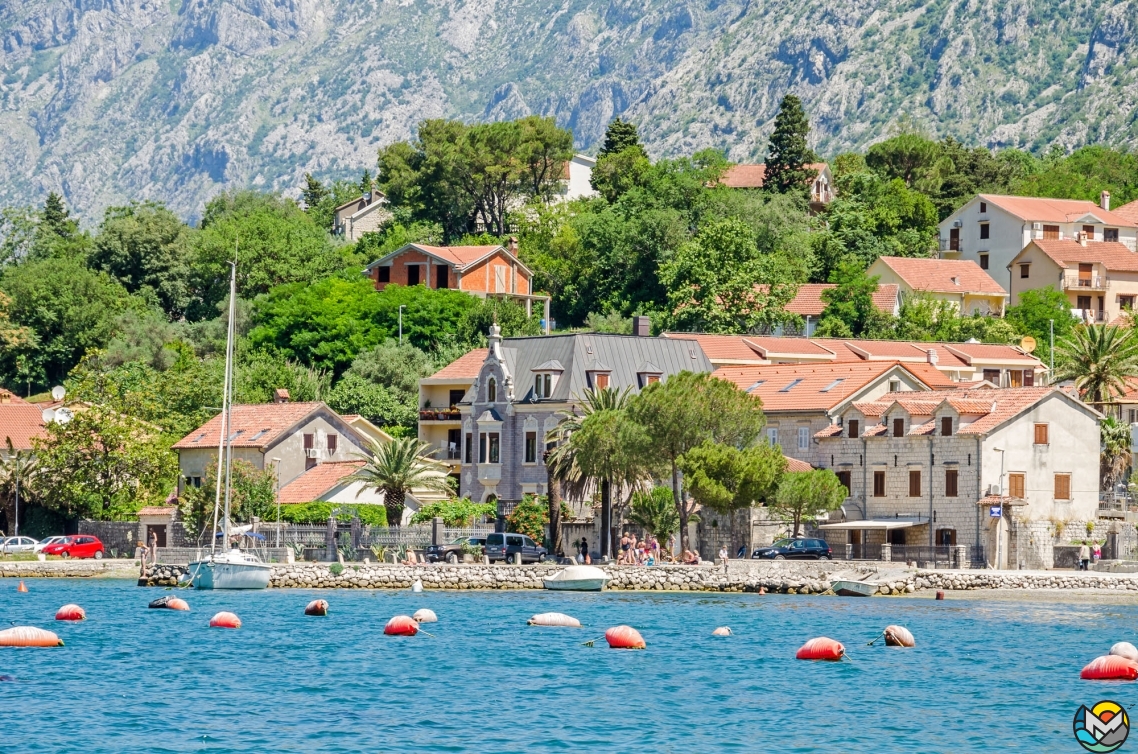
365,182
619,136
56,218
788,154
314,191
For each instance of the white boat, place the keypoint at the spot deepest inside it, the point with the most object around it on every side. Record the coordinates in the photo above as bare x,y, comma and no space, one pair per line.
854,588
234,569
578,578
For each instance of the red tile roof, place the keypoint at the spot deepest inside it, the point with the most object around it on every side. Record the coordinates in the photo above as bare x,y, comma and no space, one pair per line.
807,302
1055,210
752,176
157,510
314,483
992,410
7,396
943,275
257,425
1129,212
793,464
466,366
1111,254
20,422
812,387
460,256
772,348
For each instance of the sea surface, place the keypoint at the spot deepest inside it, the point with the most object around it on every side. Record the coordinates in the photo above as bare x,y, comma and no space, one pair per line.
986,675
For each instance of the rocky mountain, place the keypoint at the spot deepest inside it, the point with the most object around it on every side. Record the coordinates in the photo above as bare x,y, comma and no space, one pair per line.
108,100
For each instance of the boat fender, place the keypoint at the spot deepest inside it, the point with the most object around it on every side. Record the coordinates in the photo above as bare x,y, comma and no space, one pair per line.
1110,667
70,612
21,587
554,619
28,636
821,648
899,636
624,637
225,620
423,615
417,586
1125,649
316,607
721,631
401,625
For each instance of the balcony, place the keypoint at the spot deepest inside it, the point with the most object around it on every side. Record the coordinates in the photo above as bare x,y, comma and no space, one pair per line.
1090,316
951,245
489,473
440,415
1074,281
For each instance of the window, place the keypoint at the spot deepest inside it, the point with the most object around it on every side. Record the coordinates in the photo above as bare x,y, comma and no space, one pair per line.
442,276
495,447
333,442
894,386
1089,232
1051,232
954,239
456,396
914,482
600,380
1015,485
983,208
1062,486
950,479
1110,234
481,447
454,441
983,261
531,447
1126,302
492,390
879,484
844,478
1040,434
542,385
852,425
790,387
412,274
772,435
384,275
1029,378
308,441
1015,378
832,385
469,448
946,426
1133,415
898,427
1025,271
1083,302
803,438
992,376
648,379
499,279
985,231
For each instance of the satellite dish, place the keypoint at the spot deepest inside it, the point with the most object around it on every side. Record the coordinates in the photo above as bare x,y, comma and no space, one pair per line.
48,415
63,415
1027,344
58,392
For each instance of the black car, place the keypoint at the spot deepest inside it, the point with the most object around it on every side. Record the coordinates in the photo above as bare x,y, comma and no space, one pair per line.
511,547
800,548
453,551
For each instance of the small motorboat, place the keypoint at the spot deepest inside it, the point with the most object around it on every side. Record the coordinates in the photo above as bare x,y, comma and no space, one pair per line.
854,588
578,578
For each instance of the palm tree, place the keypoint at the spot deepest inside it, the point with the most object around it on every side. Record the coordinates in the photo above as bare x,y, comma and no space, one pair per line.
655,512
1114,458
17,475
397,467
1100,359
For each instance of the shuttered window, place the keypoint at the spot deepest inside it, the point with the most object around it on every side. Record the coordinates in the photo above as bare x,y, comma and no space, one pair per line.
946,426
1062,486
914,483
1015,485
1040,434
853,427
844,478
950,478
898,427
879,484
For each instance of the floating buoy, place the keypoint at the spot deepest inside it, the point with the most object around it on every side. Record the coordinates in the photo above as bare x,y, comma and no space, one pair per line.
940,594
899,636
560,620
721,631
624,637
177,603
21,587
417,586
316,607
423,615
1110,667
70,612
225,620
401,625
822,648
28,636
1125,649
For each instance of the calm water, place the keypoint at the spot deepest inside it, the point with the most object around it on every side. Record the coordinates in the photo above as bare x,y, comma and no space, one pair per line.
984,675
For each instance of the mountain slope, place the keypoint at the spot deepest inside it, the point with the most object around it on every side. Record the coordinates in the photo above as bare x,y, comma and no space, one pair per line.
109,100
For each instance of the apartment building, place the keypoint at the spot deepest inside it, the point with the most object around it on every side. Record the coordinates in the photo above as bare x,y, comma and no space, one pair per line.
1100,280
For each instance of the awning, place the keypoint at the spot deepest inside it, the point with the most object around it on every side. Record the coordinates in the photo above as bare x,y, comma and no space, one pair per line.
886,524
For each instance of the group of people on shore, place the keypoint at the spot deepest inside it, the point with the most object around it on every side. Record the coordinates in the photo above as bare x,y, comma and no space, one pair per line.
636,551
1087,550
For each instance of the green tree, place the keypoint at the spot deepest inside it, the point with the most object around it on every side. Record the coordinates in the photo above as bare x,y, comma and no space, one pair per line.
802,495
655,512
509,315
456,512
354,394
1115,455
926,318
313,191
1085,174
619,136
850,309
397,368
1035,314
907,156
622,162
17,234
252,492
685,411
57,234
398,467
1100,359
724,478
18,483
787,154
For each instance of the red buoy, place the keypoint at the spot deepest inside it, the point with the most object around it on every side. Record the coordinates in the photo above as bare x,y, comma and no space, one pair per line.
225,620
821,648
316,607
1110,667
177,603
624,637
27,636
940,594
401,625
70,612
21,587
899,636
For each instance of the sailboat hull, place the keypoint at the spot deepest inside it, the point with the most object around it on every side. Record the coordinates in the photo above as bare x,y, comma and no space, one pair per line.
218,574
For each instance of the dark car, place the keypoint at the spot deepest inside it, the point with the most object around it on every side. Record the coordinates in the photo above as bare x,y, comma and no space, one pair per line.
513,546
452,552
795,549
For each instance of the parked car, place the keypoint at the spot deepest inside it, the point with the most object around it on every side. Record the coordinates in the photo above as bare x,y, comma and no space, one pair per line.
77,546
510,546
795,549
452,551
18,544
49,541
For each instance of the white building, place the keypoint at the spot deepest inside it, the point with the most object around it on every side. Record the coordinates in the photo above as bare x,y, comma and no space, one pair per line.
576,178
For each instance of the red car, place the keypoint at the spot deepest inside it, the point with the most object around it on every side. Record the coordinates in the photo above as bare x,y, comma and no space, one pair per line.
78,546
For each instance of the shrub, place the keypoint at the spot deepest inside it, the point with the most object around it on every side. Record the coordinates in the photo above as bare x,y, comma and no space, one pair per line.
317,513
454,512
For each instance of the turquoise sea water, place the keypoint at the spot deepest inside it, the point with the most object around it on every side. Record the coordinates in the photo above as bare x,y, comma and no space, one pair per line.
985,675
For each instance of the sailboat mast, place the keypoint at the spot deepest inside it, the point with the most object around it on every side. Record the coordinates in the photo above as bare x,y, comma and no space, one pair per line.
222,443
228,404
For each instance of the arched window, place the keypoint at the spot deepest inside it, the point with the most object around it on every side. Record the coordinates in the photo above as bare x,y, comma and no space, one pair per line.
492,391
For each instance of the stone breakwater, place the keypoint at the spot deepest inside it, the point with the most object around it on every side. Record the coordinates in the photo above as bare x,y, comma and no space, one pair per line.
971,580
68,569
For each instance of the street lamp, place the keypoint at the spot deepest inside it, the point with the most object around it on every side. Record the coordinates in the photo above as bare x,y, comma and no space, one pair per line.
16,525
277,461
401,308
1000,520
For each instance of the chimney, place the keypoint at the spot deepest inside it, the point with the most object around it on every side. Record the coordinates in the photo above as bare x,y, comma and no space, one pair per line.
931,355
1082,237
5,396
1104,200
280,395
512,245
641,327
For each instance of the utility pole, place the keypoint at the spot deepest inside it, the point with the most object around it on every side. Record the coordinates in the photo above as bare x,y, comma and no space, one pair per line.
1051,378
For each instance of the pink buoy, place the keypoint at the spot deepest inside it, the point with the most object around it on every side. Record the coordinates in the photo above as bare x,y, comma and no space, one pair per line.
1110,668
316,607
28,636
70,612
401,625
822,648
225,620
177,603
624,637
899,636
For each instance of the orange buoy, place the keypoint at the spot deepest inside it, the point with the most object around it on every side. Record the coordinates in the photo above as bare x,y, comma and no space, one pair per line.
70,612
225,620
1110,667
316,607
177,603
624,637
899,636
721,631
27,636
822,648
401,625
21,587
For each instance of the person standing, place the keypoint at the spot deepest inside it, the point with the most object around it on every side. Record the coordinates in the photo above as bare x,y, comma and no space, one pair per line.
625,543
1084,556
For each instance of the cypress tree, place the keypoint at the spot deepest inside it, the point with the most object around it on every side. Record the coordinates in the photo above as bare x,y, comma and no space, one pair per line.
365,182
313,192
788,154
56,218
619,136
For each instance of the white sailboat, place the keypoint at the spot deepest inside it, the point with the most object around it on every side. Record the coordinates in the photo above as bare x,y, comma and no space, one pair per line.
229,567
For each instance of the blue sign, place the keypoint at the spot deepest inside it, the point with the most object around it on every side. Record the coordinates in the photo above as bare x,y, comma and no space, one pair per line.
995,511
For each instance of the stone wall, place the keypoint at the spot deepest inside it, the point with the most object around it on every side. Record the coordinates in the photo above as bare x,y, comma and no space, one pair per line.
68,569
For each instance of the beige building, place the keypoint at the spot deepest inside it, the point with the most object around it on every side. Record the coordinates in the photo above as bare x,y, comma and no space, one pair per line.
1099,279
959,282
440,420
364,214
